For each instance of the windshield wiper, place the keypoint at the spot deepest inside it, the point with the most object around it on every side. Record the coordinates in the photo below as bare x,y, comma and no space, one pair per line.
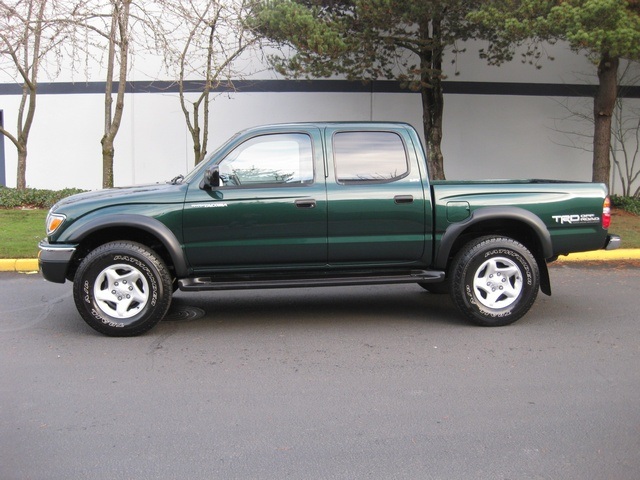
176,180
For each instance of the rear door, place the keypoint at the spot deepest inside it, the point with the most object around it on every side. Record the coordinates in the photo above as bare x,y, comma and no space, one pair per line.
376,204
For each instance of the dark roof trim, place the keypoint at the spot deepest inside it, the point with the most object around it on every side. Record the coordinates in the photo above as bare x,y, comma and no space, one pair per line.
325,86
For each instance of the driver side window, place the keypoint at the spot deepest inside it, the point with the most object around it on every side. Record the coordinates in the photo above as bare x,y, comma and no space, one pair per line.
269,160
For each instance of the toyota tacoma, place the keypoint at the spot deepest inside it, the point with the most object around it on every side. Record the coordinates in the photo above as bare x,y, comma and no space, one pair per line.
318,204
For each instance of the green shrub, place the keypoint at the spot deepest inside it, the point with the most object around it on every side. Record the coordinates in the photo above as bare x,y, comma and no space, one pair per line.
630,204
32,197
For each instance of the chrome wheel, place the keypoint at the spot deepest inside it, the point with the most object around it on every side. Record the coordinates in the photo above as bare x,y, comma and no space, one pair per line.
121,291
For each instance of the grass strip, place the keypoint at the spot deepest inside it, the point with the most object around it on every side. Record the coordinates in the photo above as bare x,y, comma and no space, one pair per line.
20,232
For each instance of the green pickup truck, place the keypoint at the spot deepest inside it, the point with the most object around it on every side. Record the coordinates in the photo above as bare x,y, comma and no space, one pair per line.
318,204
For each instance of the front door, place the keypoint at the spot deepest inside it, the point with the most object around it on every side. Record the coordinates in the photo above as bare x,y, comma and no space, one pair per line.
270,210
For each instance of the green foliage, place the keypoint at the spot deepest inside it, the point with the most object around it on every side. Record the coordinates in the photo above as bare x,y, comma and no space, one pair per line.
33,198
364,39
610,27
629,204
598,26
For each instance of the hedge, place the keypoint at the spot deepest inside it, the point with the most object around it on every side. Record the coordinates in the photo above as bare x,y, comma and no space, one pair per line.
32,197
630,204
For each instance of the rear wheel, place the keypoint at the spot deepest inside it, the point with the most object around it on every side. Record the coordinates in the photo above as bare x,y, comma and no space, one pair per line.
495,280
122,289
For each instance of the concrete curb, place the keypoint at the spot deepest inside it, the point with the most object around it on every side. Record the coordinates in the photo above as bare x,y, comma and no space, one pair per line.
27,265
603,255
24,265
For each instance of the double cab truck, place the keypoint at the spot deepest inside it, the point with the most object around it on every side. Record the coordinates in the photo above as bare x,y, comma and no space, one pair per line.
318,204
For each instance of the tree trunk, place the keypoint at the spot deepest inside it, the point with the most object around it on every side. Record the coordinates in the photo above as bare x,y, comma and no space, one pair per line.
29,73
432,98
21,182
108,152
27,102
197,148
432,107
604,103
118,38
28,106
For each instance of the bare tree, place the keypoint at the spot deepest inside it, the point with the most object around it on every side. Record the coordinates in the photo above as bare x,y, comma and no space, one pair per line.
118,42
28,34
109,29
205,42
625,130
625,148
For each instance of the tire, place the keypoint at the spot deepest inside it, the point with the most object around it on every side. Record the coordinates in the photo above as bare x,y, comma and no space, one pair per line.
495,281
122,289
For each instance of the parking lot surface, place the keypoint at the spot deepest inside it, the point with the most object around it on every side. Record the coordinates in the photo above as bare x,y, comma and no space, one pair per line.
384,382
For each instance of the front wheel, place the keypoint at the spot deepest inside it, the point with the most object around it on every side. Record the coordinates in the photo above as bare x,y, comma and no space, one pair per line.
122,289
495,281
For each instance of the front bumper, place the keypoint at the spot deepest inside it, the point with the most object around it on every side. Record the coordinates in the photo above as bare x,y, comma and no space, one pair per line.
54,260
613,242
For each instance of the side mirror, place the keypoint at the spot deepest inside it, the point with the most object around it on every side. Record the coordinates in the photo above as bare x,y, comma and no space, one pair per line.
211,178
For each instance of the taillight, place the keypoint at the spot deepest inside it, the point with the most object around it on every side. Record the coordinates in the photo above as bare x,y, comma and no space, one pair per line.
606,213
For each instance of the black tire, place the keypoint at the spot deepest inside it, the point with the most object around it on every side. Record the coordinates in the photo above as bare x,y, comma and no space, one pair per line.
495,281
122,289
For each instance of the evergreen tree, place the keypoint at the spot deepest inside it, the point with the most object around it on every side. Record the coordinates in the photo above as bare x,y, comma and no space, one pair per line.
401,40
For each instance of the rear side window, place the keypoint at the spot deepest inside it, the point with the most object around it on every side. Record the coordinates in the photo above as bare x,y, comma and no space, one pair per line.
369,157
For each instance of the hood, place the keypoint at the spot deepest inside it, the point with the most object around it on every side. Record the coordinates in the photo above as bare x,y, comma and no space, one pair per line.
156,193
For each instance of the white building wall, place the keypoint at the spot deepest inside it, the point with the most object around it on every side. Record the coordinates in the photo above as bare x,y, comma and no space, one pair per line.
508,137
485,136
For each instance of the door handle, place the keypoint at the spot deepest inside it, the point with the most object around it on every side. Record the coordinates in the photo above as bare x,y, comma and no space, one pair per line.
306,203
403,199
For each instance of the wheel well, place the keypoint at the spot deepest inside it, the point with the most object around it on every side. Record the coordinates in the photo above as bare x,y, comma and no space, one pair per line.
111,234
515,229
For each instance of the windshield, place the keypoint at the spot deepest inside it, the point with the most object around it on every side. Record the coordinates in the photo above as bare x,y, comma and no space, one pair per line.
198,168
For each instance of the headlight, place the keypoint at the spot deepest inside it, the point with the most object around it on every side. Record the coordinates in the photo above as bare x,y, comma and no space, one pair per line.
54,220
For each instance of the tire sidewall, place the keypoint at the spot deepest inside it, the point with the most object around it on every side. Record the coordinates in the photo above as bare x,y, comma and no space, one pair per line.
132,255
467,267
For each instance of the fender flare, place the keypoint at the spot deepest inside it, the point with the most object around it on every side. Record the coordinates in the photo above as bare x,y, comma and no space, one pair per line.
521,215
147,224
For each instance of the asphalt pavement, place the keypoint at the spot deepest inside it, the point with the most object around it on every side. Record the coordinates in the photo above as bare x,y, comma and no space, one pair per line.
381,382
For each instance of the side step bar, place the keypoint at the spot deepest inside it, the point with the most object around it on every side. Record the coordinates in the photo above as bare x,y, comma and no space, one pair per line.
246,282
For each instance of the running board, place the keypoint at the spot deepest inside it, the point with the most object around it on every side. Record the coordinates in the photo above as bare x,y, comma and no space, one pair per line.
246,281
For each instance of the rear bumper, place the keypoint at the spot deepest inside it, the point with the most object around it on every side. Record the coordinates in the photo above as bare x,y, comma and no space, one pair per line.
613,242
54,260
